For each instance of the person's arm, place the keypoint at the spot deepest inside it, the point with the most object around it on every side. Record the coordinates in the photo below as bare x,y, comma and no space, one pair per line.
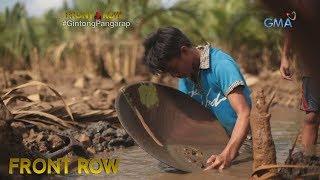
239,133
227,76
285,64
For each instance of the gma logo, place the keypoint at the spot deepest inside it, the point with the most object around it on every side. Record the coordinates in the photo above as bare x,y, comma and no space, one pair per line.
277,23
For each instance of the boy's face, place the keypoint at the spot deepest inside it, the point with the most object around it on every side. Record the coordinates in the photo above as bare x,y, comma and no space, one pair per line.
182,66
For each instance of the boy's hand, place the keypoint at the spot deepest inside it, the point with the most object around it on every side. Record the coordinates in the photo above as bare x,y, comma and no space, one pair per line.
220,161
239,133
285,69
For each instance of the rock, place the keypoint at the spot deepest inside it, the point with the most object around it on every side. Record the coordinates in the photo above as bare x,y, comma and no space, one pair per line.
97,140
19,128
25,135
32,135
121,133
104,144
116,142
85,140
43,147
97,135
91,150
109,132
72,133
129,142
55,141
90,133
107,138
31,145
99,147
40,137
99,129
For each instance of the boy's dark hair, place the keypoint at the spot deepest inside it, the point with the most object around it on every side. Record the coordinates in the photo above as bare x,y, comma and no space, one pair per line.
163,45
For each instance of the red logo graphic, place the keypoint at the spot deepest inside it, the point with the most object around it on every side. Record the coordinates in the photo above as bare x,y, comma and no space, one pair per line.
98,15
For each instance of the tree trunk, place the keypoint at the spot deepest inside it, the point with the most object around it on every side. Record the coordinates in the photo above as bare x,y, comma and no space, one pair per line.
264,152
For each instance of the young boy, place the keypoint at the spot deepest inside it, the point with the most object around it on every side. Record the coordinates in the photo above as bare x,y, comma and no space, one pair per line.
210,76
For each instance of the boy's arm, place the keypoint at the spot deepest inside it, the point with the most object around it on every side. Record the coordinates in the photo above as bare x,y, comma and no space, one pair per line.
239,133
285,65
231,82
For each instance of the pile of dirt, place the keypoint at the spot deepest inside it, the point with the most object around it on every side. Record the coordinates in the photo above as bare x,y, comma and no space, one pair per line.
42,141
96,137
299,158
102,136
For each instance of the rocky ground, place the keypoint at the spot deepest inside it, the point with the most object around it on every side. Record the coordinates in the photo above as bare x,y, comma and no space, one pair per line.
91,100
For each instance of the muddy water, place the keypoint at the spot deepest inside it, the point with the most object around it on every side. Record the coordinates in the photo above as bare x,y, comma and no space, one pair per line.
137,164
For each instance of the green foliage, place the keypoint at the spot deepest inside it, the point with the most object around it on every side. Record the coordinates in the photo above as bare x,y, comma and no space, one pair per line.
234,25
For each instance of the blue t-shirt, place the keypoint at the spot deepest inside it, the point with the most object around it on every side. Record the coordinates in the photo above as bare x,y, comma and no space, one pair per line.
217,81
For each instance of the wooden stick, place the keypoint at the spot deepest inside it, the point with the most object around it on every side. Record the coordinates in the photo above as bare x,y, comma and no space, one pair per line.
293,146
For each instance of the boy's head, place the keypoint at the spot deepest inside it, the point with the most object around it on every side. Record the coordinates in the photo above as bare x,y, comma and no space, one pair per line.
169,50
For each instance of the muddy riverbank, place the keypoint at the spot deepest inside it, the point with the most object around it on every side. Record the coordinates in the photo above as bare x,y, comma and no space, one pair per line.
91,100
